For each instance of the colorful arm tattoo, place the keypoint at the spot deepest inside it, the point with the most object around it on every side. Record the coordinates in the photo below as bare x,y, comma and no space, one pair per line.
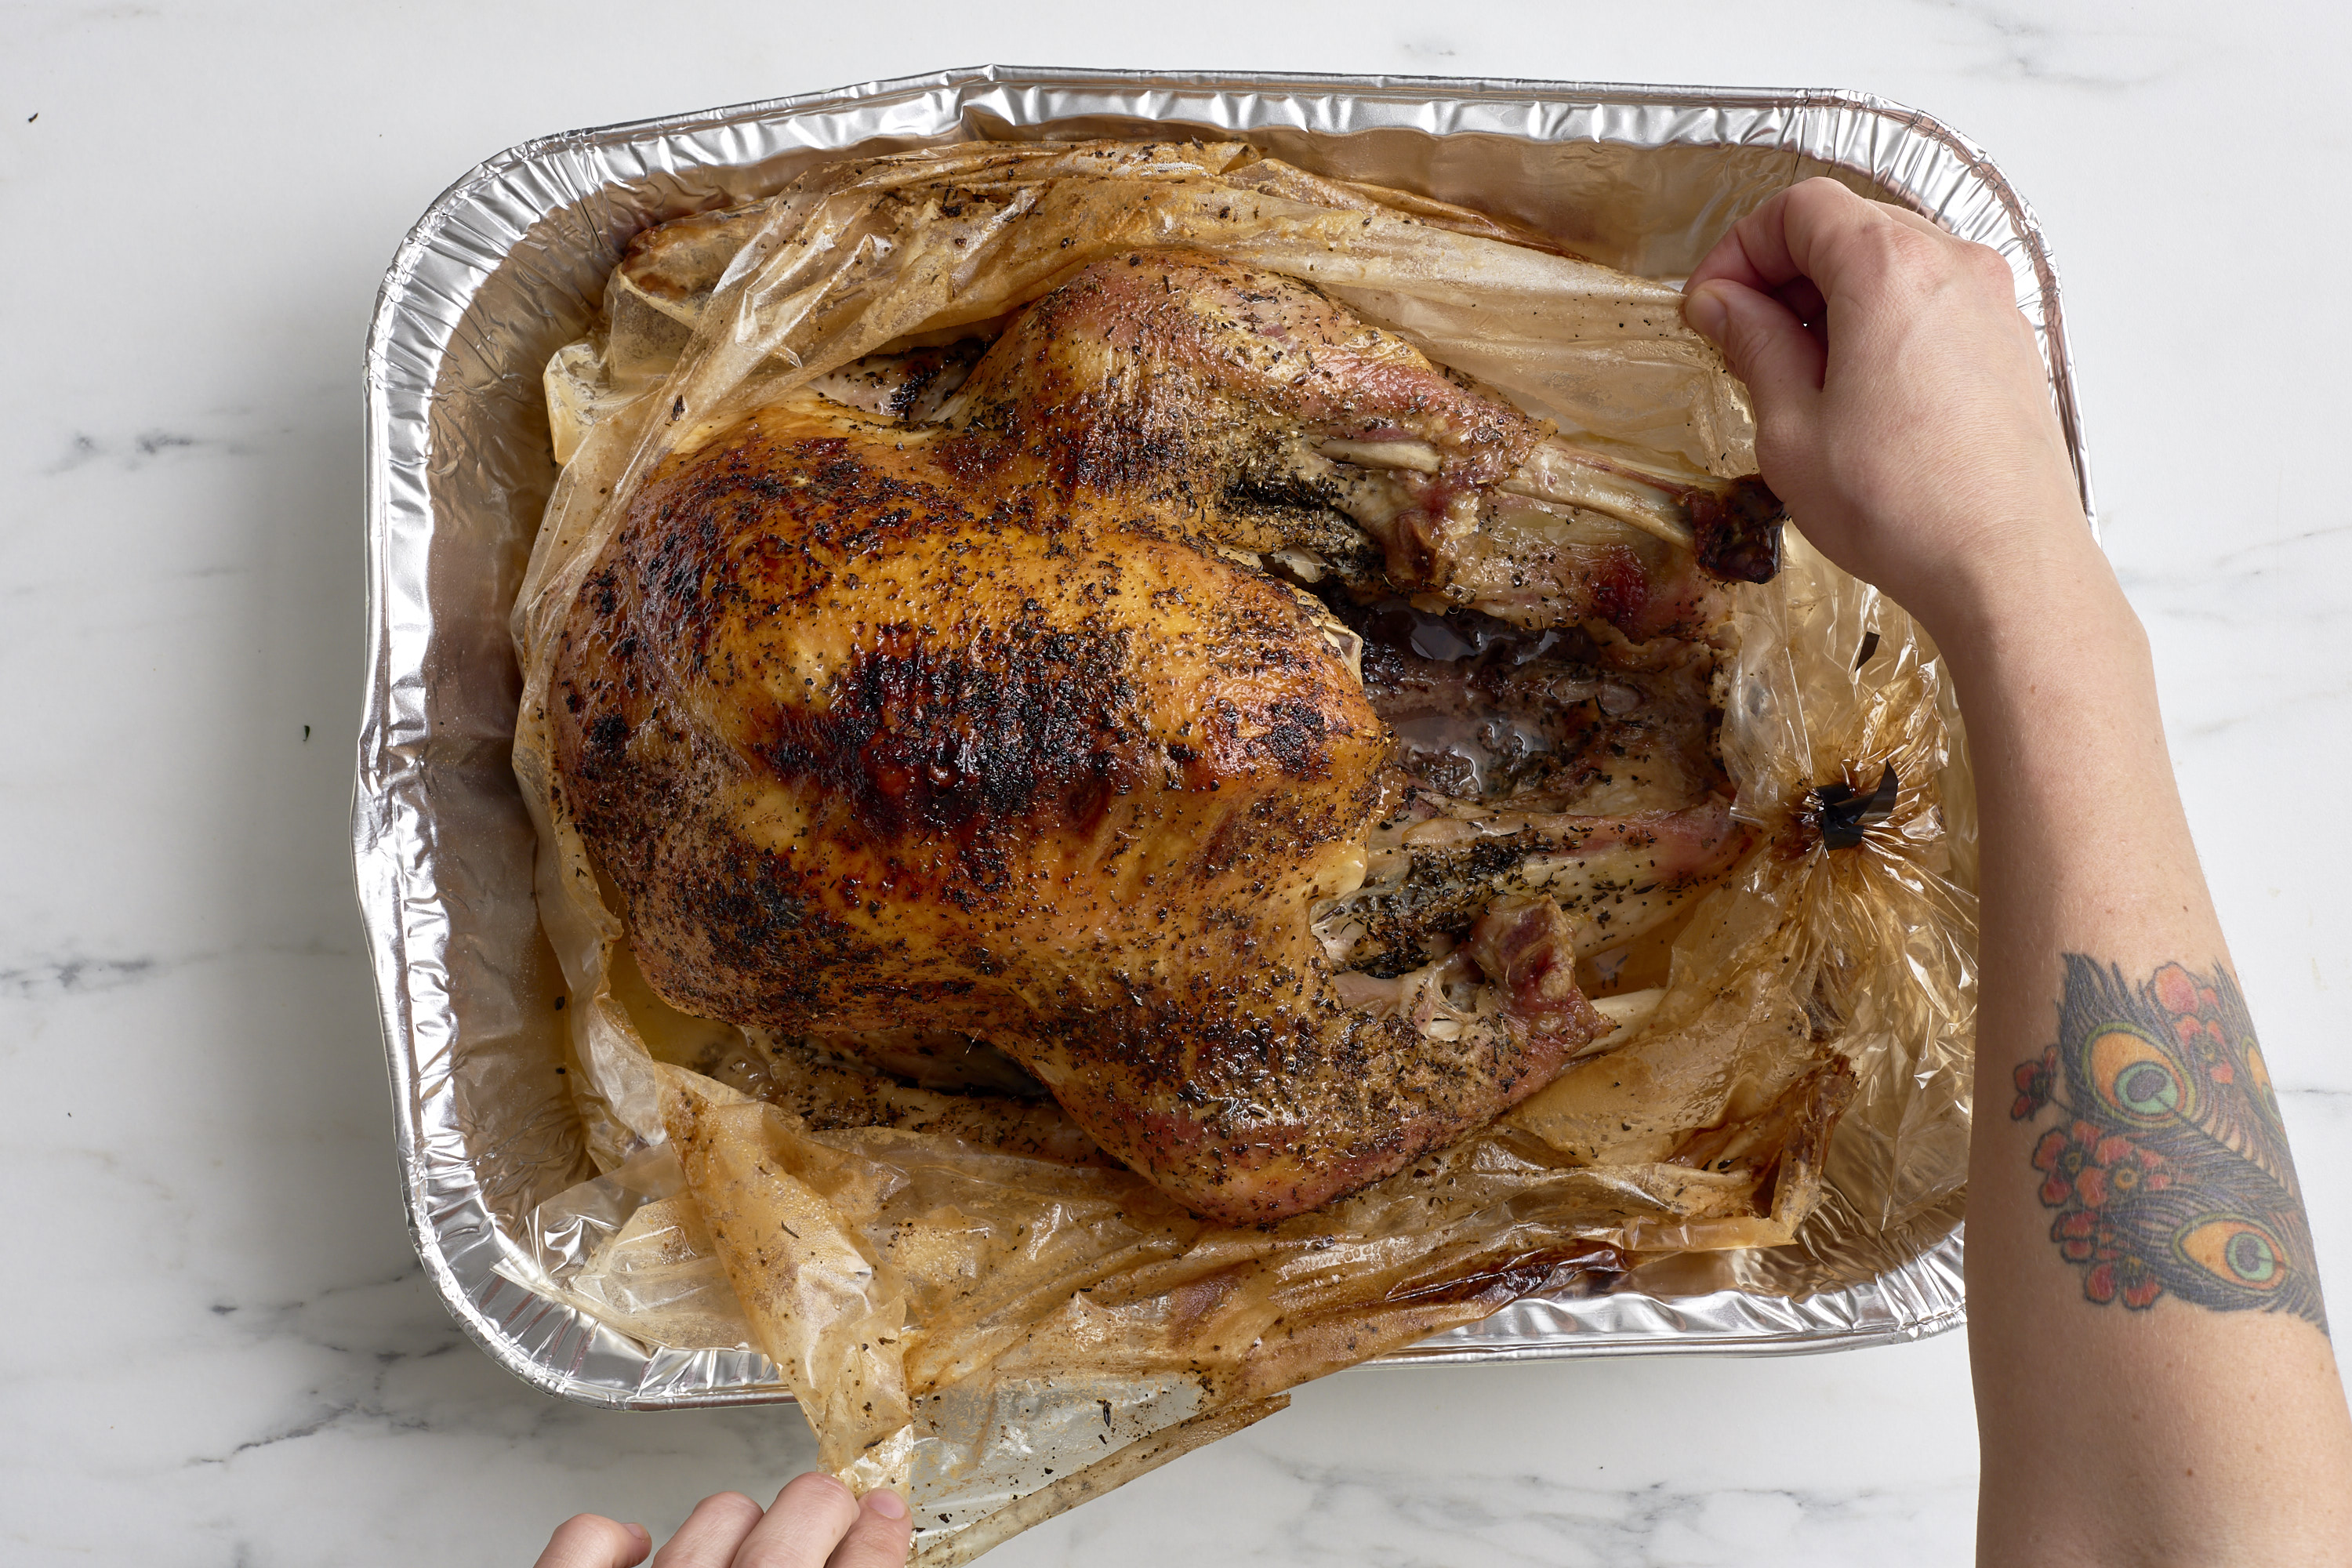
2167,1163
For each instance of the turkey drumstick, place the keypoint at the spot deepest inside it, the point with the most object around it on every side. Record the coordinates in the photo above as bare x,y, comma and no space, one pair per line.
1218,383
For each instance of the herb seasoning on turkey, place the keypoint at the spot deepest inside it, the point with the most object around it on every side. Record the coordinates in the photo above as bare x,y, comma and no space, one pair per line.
1265,737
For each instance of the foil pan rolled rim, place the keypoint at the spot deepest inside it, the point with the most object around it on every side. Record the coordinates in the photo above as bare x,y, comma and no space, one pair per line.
1332,104
423,320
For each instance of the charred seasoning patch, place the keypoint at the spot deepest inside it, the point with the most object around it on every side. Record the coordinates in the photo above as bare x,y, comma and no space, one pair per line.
756,915
911,738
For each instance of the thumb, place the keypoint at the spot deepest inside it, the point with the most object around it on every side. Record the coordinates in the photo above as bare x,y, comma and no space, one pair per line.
1763,342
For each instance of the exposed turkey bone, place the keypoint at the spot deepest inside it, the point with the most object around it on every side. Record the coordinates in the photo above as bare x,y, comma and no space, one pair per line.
1733,526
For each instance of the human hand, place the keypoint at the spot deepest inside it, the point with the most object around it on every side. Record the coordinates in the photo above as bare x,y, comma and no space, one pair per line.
814,1522
1901,407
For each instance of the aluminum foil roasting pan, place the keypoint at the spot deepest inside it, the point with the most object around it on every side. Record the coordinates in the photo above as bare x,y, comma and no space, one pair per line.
501,271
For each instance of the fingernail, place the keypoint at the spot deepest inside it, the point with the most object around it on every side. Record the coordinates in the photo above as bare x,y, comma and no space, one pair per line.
1705,314
645,1537
887,1503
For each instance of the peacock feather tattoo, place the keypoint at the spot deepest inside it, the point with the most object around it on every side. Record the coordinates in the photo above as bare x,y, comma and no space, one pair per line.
2169,1166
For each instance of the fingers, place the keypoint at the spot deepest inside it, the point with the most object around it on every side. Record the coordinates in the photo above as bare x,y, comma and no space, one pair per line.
809,1518
1765,343
1910,219
1805,302
1816,231
1754,252
880,1538
712,1533
588,1541
815,1522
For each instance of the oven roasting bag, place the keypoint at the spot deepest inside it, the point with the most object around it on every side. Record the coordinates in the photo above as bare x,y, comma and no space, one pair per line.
1003,1334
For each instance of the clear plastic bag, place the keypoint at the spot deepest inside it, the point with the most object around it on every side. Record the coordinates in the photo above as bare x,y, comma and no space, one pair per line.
1003,1334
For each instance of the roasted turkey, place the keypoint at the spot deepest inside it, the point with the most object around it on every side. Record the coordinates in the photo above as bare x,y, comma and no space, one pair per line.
1206,701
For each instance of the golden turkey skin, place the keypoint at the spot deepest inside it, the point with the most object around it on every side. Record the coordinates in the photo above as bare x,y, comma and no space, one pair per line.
1021,723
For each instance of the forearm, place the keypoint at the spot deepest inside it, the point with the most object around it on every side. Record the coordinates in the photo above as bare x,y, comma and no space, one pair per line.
2134,1404
2154,1382
2084,839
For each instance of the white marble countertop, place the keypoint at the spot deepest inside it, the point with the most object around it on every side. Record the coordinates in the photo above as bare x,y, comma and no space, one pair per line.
226,1352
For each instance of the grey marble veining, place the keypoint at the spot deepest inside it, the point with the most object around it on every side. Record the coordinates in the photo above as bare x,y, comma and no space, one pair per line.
225,1352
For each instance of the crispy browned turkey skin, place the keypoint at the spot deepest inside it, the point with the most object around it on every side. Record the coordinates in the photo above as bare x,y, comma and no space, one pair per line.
999,725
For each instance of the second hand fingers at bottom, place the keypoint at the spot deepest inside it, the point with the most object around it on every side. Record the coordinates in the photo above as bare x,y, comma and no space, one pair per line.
591,1540
1910,219
711,1533
803,1525
1804,302
881,1536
